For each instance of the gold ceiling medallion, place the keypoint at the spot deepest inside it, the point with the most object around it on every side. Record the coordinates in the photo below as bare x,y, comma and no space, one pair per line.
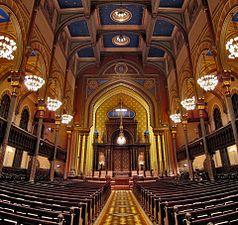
121,68
121,40
121,15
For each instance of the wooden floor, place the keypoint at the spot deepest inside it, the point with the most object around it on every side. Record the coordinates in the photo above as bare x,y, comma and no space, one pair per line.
122,208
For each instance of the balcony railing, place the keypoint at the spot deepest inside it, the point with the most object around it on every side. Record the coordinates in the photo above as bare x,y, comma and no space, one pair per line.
25,141
216,140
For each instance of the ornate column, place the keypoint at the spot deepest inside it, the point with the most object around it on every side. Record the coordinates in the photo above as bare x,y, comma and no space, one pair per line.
147,153
15,85
226,85
53,161
85,152
175,165
208,161
79,156
189,161
157,155
162,153
66,169
41,111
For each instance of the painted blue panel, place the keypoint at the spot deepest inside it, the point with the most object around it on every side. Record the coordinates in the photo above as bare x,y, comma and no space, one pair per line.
70,4
136,10
156,52
78,29
171,3
163,28
134,40
114,114
86,52
209,53
235,17
4,17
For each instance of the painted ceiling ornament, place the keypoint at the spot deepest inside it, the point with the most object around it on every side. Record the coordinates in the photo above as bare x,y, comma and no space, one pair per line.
148,84
121,40
93,84
121,68
121,15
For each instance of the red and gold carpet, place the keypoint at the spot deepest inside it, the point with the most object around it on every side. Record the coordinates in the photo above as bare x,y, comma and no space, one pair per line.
122,208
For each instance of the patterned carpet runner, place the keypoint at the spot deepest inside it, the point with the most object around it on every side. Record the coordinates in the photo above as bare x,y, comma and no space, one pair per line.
122,209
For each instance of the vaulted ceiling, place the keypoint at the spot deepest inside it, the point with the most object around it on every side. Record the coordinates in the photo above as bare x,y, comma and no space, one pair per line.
148,33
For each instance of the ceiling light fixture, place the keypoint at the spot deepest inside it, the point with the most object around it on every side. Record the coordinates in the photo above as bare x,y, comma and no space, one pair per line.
53,104
121,15
7,47
66,118
189,103
121,140
208,82
33,82
176,117
121,40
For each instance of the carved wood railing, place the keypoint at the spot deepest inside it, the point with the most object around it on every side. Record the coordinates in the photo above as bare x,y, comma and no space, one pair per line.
218,139
23,140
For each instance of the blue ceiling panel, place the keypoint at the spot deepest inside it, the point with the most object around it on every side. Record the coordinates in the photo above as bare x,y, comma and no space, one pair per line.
64,4
134,40
4,17
136,10
235,17
86,52
156,52
163,28
171,3
78,29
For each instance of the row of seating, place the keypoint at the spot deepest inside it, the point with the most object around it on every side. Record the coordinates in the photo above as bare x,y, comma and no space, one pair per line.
65,203
173,202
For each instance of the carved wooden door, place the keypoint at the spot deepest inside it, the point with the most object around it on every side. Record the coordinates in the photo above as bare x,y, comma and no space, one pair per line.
121,159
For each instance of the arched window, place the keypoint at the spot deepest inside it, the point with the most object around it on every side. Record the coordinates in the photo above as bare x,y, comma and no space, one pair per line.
217,118
234,99
24,119
5,104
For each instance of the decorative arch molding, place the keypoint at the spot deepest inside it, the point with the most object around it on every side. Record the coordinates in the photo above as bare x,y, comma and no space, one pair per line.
26,107
5,92
65,22
204,46
19,21
42,49
115,61
183,78
173,97
112,88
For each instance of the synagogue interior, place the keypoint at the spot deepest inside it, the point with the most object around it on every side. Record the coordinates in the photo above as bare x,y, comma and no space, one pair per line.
119,112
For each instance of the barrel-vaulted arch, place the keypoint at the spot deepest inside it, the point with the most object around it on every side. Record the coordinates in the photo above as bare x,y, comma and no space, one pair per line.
116,87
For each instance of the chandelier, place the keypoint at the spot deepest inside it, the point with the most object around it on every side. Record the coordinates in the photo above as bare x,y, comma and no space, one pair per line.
208,82
176,117
189,103
121,140
7,47
66,118
53,104
33,82
232,48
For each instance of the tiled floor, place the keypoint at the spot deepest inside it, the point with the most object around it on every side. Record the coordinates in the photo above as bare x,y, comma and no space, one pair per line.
122,209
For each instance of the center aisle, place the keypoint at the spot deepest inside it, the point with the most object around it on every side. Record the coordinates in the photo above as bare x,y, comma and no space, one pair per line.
122,208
